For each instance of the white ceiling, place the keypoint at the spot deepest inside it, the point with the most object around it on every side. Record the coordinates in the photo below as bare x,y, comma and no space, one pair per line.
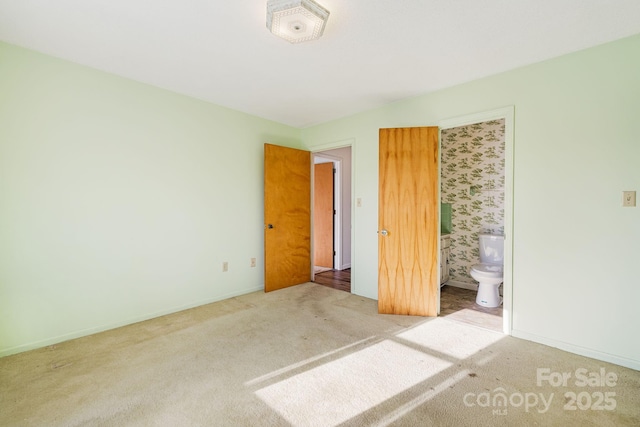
373,52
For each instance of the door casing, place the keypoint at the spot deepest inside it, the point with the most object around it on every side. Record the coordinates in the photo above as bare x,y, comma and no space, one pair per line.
508,114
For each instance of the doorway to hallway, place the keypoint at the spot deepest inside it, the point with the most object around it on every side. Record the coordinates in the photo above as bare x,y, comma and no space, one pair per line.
331,249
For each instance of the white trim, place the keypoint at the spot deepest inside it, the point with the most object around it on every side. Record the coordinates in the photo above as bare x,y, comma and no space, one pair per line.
508,114
484,116
332,145
337,213
583,351
327,157
463,285
90,331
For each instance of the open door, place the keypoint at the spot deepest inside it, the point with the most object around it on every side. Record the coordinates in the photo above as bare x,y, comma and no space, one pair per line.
408,229
287,217
323,214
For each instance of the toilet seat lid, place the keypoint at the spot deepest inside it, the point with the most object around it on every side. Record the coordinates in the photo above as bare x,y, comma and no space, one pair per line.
492,269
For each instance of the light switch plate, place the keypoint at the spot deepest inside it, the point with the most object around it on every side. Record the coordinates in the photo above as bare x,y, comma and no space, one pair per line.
629,199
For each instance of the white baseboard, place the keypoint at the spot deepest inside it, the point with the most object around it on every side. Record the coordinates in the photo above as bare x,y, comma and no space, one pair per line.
463,285
94,330
345,266
576,349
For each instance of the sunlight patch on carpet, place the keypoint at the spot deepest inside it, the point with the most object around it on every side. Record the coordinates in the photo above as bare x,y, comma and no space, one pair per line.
451,338
344,388
298,365
416,402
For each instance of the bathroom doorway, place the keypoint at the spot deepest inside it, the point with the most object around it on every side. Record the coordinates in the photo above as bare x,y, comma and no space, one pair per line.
475,186
332,218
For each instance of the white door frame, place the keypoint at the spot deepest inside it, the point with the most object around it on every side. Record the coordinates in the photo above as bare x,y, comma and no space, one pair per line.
506,113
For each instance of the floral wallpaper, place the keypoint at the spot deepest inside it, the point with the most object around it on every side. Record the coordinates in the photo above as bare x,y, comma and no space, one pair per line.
472,179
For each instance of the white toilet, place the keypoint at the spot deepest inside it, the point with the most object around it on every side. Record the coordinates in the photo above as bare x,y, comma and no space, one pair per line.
489,273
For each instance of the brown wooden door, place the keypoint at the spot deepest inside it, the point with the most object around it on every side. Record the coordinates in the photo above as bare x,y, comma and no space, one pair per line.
408,222
323,215
287,217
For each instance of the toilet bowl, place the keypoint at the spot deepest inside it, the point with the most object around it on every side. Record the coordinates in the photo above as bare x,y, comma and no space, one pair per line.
489,272
489,278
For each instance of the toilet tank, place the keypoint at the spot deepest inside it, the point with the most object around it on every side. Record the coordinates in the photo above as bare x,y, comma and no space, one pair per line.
491,248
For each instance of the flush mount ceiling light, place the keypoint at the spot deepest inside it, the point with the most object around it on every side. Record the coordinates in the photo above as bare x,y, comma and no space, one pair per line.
296,20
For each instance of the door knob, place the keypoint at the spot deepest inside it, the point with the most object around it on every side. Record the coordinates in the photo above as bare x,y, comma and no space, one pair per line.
384,232
269,226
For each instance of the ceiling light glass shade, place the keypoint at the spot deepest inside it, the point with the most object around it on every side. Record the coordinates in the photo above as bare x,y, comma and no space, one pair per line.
296,20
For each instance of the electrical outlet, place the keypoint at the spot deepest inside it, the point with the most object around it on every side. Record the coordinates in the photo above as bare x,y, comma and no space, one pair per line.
225,266
253,262
628,199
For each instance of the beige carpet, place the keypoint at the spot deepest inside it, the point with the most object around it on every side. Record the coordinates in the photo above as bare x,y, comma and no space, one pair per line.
308,356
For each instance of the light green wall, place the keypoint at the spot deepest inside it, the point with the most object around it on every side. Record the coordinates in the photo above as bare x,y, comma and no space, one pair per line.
577,147
119,201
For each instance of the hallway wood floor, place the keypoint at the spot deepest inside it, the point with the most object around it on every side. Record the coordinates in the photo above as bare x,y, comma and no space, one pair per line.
337,279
